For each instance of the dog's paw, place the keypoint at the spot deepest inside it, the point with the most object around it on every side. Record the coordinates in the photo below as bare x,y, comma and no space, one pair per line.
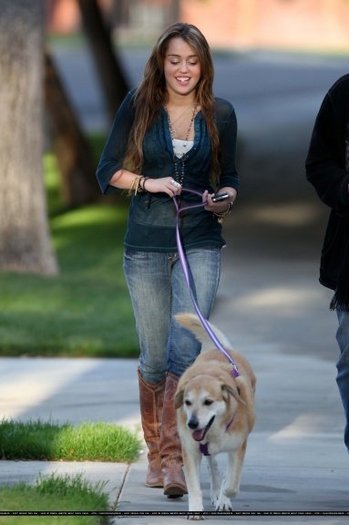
195,517
214,496
224,503
195,513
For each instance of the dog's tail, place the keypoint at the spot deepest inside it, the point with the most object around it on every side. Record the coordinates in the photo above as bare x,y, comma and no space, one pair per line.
193,323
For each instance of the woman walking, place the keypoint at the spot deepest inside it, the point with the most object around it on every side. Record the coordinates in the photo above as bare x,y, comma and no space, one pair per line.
171,135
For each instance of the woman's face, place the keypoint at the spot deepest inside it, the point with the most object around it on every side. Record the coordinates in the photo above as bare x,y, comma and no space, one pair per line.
182,68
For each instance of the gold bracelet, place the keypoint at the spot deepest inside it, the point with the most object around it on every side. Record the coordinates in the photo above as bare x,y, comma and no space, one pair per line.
135,185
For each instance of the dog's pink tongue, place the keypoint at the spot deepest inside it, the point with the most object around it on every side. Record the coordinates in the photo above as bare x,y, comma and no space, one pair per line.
198,435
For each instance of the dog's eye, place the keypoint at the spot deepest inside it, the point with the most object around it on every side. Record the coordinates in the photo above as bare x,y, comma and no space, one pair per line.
187,403
208,402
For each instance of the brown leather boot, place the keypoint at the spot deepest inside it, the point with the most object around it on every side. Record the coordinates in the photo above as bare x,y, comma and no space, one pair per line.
170,446
151,399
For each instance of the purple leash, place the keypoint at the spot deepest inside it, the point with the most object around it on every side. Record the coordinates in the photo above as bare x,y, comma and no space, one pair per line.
184,264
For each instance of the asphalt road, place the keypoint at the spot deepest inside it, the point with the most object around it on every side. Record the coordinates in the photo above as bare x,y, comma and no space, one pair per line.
266,88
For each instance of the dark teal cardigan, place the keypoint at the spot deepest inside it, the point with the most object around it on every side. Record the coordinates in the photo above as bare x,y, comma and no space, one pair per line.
151,221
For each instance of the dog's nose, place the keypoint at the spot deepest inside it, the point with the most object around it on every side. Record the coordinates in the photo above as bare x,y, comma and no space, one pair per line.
193,423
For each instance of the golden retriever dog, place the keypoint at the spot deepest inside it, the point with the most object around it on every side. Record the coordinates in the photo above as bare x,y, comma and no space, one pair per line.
215,413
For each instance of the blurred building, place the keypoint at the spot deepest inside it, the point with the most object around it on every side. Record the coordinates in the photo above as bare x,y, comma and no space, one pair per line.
295,24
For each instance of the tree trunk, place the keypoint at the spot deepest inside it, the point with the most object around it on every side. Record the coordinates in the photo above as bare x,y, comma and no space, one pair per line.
25,243
174,11
107,63
73,152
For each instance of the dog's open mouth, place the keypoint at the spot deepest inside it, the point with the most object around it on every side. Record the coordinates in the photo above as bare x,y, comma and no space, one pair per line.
199,435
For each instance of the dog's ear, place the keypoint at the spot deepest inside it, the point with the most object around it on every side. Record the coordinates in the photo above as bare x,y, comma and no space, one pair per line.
228,390
178,400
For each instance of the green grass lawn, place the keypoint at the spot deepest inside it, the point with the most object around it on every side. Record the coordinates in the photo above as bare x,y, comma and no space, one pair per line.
54,493
84,311
37,440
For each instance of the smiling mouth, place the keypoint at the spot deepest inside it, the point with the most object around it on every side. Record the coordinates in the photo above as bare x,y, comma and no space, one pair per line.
199,435
183,80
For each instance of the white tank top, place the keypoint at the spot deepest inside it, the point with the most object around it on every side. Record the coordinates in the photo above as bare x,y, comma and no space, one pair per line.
180,147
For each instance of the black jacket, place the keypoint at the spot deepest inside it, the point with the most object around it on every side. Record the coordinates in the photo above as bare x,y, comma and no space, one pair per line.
327,169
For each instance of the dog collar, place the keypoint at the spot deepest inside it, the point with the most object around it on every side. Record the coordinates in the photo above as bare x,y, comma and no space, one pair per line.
203,447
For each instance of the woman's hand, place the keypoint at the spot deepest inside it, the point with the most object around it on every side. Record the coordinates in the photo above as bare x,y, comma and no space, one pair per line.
221,206
163,185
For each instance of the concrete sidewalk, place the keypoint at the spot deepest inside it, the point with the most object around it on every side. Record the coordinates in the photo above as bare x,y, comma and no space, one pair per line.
299,464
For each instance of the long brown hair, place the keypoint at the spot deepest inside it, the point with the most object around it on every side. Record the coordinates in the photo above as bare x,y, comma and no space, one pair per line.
151,93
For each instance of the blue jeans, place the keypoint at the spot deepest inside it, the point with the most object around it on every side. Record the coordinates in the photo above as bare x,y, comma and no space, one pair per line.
343,367
158,291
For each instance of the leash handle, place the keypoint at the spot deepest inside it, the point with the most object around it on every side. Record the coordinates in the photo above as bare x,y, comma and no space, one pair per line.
185,268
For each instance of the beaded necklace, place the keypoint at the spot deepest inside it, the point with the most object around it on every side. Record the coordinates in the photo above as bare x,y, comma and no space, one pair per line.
179,163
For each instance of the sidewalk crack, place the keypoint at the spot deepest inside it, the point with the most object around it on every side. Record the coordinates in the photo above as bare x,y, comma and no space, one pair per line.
119,493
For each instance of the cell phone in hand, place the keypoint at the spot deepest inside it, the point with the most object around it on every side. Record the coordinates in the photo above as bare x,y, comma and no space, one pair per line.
218,197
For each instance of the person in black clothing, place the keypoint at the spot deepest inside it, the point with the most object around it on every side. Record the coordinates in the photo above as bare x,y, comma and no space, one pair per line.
327,169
